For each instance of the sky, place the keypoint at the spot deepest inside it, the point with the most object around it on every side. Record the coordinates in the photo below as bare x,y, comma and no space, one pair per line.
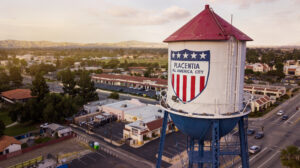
268,22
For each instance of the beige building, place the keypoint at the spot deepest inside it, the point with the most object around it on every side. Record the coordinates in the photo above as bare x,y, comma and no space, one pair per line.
266,90
261,102
144,130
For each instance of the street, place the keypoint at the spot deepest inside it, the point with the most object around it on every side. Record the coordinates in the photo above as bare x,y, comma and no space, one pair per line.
278,135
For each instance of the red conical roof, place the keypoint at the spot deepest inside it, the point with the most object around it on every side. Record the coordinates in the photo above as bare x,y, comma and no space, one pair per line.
207,26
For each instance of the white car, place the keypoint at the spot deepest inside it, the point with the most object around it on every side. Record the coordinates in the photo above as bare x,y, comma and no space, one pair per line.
280,113
254,149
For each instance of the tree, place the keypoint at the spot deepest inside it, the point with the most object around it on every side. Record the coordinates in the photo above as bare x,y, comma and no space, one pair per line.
2,128
58,107
87,89
290,157
39,87
249,71
15,111
114,95
15,76
69,83
4,81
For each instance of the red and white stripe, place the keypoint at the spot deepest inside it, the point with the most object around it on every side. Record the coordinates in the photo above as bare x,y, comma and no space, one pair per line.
187,87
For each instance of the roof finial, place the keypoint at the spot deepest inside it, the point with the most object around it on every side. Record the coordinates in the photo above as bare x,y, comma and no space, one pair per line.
206,6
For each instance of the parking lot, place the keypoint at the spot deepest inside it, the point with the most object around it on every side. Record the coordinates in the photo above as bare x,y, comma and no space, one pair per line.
175,143
99,159
124,89
113,130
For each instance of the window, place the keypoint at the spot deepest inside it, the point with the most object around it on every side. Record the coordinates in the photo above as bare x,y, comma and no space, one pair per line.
134,131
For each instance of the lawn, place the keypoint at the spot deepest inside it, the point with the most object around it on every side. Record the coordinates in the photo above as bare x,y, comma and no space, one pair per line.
5,118
20,129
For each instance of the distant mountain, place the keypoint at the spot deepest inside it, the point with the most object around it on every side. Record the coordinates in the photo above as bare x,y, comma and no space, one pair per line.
49,44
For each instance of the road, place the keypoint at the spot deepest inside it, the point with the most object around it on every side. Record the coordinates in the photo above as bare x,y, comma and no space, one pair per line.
122,154
278,135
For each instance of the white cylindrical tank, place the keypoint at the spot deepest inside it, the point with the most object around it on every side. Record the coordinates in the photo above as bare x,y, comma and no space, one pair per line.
206,68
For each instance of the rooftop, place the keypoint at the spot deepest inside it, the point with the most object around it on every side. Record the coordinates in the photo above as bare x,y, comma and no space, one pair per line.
17,94
145,111
5,141
131,78
207,26
125,105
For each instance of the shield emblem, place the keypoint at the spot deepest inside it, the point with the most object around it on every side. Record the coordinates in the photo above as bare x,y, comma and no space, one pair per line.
189,73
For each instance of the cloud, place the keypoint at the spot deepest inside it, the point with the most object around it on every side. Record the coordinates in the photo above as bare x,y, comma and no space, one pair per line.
244,3
131,16
123,12
174,12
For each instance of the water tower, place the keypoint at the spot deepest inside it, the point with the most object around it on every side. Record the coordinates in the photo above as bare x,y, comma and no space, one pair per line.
205,88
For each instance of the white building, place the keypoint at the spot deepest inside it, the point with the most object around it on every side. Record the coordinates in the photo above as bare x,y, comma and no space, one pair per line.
120,108
4,62
8,145
258,67
95,106
144,130
143,112
292,67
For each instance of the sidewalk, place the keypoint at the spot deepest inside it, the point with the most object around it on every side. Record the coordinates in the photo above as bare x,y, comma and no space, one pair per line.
12,124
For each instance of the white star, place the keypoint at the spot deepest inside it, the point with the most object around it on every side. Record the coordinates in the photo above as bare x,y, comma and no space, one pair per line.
185,55
173,55
202,56
194,56
178,55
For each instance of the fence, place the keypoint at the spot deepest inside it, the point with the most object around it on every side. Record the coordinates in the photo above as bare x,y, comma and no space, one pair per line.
12,154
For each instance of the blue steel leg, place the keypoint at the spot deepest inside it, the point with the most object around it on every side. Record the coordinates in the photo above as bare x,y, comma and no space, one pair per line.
215,144
162,139
243,144
201,152
191,157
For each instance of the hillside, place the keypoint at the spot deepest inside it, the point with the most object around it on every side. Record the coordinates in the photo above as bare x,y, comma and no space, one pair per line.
49,44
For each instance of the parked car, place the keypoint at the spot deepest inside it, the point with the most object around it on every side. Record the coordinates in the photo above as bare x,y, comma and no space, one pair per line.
259,135
284,117
250,131
254,149
280,113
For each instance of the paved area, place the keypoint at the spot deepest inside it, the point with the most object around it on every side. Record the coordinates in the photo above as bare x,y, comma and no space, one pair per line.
99,159
278,135
120,153
113,130
59,148
175,143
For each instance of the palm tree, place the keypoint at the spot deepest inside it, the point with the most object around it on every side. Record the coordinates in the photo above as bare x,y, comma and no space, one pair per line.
290,157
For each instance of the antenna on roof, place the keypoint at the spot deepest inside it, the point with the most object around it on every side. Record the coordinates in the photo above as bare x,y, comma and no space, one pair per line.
231,21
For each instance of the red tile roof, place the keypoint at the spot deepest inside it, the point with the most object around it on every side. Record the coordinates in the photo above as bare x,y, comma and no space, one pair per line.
207,25
153,125
259,102
17,94
5,141
292,69
131,78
